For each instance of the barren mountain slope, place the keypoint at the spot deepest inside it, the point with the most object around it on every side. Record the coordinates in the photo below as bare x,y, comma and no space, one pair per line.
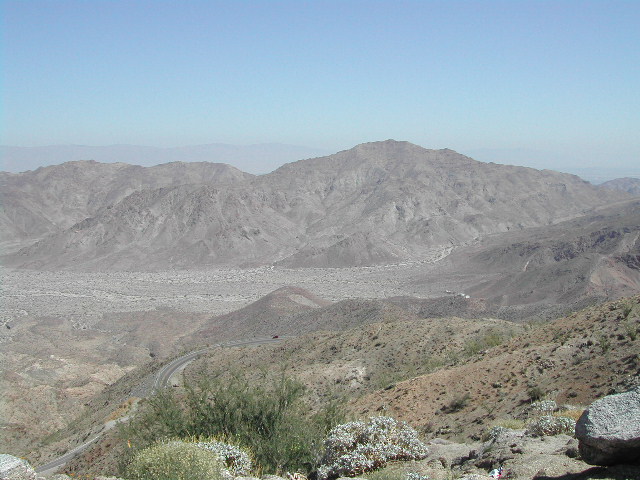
295,311
626,184
64,364
259,158
51,199
375,353
189,226
445,375
263,317
376,203
573,360
406,197
596,255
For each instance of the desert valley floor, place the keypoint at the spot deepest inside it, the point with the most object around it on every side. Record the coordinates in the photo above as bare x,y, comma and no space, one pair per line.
214,291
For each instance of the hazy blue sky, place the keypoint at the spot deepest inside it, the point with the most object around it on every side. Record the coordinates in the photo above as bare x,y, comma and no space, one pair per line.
555,83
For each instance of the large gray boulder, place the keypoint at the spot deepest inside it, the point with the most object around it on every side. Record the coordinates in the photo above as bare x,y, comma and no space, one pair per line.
14,468
609,430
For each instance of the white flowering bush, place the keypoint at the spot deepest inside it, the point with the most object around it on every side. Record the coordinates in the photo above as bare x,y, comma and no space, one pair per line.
495,432
174,461
543,407
416,476
357,447
549,425
234,459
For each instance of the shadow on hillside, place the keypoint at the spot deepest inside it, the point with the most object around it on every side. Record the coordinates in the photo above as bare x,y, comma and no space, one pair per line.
616,472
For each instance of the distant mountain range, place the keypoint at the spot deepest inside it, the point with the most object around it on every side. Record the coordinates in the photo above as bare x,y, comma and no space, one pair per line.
376,203
629,185
259,158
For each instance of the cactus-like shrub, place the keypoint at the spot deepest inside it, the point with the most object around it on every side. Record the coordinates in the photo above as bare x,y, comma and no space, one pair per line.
175,461
357,447
549,425
233,458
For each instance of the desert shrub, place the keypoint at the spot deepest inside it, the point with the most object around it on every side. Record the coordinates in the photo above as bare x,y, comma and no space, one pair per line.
174,461
549,425
357,447
542,407
494,432
631,329
270,420
415,476
457,403
387,377
483,342
234,459
605,343
535,393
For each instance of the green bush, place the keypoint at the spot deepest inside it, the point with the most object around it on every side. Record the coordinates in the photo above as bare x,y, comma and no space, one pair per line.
269,419
483,342
632,329
174,461
535,393
457,403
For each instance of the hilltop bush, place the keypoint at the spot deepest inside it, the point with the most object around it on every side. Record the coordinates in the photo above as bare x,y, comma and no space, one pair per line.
174,461
357,447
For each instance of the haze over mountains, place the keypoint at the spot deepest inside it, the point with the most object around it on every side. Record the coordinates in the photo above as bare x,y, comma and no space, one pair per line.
259,158
376,203
627,184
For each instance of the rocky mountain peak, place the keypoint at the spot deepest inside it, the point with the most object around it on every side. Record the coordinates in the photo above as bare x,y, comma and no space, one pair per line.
379,202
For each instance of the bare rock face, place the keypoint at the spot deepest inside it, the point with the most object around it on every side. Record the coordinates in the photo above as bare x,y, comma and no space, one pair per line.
609,430
14,468
377,203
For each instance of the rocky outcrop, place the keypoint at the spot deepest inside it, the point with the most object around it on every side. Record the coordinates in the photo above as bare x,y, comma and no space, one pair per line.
14,468
609,430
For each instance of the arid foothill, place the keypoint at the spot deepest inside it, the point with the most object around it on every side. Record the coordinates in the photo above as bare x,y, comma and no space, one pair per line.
388,311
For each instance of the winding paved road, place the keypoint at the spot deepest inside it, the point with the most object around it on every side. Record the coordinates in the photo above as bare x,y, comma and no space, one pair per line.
163,378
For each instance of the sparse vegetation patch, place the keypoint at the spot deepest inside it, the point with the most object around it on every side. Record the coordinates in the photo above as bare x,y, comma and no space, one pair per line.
270,420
